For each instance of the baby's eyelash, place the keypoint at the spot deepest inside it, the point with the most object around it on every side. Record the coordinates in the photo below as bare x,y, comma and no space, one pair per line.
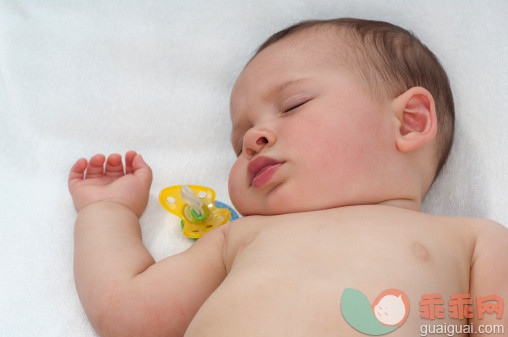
295,106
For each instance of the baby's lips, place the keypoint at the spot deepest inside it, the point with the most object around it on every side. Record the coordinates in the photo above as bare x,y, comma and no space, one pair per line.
258,164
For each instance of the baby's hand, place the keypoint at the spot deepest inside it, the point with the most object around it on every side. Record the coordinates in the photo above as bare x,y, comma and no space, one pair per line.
130,189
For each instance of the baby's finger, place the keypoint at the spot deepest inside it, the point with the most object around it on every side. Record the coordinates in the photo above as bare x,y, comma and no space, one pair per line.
95,166
129,157
142,170
77,171
114,166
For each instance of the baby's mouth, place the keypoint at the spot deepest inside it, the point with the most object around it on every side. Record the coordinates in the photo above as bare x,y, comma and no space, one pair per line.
261,169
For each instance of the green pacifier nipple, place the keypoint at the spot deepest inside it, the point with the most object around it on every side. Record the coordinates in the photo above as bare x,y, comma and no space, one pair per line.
196,216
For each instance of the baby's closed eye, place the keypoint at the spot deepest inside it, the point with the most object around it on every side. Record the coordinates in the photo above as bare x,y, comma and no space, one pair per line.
295,105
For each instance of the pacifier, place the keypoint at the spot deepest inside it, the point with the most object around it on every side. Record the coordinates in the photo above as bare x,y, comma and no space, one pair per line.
196,206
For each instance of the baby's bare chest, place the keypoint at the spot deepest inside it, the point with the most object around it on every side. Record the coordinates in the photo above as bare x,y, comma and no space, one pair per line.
364,250
292,271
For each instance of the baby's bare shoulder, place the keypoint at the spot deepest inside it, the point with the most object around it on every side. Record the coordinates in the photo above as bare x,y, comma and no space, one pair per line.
475,230
487,226
481,228
491,238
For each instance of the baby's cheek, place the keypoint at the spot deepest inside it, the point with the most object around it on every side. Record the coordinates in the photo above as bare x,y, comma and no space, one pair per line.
234,181
238,174
238,188
330,156
326,146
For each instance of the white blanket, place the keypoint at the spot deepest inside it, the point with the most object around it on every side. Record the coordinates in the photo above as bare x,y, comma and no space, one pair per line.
80,78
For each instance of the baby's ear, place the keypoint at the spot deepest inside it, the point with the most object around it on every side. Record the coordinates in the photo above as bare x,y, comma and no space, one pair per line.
416,114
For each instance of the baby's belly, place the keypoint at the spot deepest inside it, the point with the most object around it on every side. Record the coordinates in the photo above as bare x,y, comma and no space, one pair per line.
292,284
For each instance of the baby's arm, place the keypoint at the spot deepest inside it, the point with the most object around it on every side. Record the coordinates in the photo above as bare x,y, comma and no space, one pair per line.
489,273
124,292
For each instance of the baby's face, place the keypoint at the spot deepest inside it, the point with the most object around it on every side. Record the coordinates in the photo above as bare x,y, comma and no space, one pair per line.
310,136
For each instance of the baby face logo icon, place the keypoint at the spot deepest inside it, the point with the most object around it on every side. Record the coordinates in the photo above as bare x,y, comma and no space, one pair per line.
388,311
390,307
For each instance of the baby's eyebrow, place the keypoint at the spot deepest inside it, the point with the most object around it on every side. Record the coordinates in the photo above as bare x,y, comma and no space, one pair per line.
284,85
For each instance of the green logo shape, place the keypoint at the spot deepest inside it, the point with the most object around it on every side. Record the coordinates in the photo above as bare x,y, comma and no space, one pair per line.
356,310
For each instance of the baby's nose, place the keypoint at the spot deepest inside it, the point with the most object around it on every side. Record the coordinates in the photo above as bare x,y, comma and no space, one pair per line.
257,140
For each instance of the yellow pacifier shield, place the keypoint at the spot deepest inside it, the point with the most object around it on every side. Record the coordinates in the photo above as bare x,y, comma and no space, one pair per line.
196,222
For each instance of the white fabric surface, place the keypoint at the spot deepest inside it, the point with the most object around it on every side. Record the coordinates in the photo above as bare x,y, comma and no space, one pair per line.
80,78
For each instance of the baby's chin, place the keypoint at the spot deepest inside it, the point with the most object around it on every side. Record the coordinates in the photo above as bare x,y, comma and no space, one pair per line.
286,199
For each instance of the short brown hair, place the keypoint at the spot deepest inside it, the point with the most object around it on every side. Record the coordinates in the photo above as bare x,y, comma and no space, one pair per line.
389,60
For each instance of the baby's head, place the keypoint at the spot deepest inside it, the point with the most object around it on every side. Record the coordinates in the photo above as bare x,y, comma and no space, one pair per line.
338,112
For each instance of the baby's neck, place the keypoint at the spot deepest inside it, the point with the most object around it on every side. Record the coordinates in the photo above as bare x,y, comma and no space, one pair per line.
413,205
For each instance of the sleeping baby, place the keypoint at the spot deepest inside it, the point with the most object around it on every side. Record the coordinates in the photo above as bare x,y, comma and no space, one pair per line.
340,127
